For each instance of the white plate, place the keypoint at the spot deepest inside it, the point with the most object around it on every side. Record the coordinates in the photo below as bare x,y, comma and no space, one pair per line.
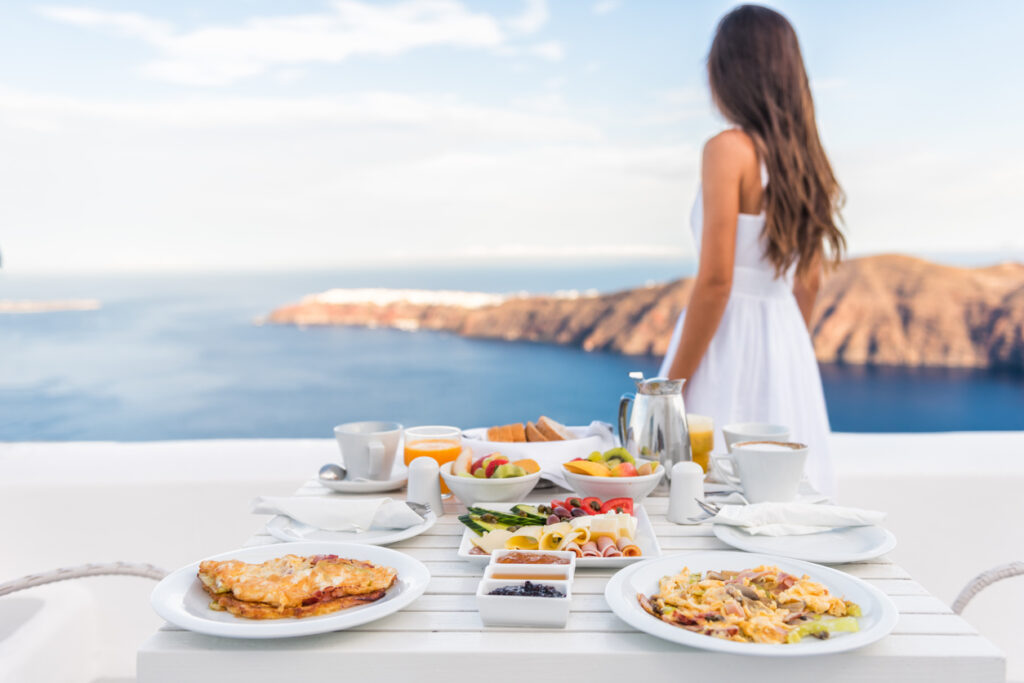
284,528
180,599
399,476
645,539
849,544
878,620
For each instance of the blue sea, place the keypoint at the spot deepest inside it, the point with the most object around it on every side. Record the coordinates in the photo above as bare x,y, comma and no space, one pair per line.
179,356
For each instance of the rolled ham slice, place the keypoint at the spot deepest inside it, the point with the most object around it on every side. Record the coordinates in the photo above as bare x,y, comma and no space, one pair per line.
607,547
590,549
627,547
574,548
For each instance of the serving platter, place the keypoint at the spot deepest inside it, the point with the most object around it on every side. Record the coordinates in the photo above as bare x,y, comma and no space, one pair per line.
180,599
847,544
284,528
879,614
645,539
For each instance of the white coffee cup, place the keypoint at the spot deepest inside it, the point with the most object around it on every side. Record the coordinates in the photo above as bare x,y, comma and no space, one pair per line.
767,470
368,449
753,431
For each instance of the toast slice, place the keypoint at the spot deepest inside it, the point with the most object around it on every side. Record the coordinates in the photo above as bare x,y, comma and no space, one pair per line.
518,432
533,434
553,431
507,433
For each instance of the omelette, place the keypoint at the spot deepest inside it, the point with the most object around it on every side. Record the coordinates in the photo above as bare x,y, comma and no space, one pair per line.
293,586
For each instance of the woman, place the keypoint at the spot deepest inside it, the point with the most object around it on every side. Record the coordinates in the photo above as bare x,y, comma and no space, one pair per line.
765,226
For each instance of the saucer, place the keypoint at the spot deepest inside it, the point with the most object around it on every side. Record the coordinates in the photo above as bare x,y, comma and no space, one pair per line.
399,476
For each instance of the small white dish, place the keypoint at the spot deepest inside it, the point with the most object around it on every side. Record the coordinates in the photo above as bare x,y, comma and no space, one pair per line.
497,555
286,529
879,614
542,572
606,488
399,475
848,544
471,489
522,611
645,539
181,600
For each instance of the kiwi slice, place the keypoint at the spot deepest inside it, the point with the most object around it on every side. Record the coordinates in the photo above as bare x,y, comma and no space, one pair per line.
617,455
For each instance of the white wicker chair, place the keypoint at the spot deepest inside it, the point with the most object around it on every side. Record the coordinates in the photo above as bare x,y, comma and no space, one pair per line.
985,579
147,571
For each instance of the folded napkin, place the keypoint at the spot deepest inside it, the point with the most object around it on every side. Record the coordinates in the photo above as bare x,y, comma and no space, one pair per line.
340,514
793,519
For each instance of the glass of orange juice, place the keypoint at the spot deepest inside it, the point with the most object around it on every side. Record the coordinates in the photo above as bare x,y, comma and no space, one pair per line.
702,438
441,443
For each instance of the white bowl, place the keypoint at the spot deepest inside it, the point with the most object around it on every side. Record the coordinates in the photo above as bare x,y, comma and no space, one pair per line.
510,610
471,490
637,488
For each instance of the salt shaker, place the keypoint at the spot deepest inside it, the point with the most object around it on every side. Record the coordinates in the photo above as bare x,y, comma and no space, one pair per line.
425,484
687,489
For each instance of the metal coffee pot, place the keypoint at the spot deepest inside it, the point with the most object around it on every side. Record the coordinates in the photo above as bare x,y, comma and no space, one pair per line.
656,427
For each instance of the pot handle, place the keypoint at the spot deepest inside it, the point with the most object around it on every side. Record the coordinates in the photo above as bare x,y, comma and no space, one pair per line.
624,402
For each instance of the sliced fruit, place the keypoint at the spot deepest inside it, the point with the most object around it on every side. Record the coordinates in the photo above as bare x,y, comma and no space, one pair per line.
593,469
624,469
618,454
621,505
493,464
507,471
596,456
464,474
529,465
591,505
647,468
480,473
460,467
478,463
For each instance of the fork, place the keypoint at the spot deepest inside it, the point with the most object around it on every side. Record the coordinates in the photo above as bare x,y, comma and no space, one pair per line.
421,509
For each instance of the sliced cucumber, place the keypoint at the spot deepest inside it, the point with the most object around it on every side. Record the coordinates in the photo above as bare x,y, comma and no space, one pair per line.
526,510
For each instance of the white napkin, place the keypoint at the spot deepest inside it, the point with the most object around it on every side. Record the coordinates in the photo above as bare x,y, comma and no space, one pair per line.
340,514
794,519
551,465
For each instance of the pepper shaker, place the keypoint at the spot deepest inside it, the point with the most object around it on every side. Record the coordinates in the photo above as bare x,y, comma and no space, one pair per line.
687,488
425,484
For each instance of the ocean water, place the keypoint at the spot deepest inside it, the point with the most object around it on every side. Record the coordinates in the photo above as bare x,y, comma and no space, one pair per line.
180,356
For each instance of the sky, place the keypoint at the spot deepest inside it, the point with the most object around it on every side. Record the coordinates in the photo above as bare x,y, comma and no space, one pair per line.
257,134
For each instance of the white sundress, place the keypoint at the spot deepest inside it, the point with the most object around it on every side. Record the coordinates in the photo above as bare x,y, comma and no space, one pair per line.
760,365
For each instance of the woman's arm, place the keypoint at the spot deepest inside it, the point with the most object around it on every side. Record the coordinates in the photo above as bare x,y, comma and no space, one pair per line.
805,289
721,171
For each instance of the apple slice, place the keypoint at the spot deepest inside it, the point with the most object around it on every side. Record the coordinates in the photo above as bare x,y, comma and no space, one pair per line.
494,463
461,464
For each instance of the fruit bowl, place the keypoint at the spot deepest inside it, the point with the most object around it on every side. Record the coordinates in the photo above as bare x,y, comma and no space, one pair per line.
637,488
470,490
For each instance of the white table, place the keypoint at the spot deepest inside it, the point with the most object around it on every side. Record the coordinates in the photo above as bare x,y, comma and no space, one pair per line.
440,636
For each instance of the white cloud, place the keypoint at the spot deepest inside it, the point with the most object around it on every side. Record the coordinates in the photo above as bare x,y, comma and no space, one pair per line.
606,6
533,18
217,55
46,112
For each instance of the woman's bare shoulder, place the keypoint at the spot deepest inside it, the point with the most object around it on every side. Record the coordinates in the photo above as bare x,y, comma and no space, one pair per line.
731,148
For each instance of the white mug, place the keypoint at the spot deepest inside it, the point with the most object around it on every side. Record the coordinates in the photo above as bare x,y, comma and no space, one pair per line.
753,431
767,470
368,449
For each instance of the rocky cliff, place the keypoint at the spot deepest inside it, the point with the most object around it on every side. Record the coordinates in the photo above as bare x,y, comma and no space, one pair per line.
892,310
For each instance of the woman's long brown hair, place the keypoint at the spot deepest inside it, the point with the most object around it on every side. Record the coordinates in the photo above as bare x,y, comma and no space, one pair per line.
758,82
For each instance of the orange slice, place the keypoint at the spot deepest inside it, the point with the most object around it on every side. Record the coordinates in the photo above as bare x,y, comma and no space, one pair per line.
529,465
594,469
